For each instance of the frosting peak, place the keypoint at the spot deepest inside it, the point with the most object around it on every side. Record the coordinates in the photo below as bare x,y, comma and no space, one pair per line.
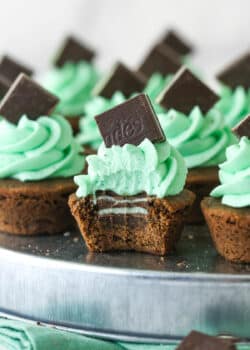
38,149
234,175
200,139
157,169
73,84
234,105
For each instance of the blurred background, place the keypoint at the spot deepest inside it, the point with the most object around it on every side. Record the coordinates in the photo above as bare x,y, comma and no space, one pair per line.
32,29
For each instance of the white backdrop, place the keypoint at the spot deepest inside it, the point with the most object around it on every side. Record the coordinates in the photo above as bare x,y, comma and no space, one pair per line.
32,29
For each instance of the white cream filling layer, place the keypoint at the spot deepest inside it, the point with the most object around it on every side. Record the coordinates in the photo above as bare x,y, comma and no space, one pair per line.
121,201
124,211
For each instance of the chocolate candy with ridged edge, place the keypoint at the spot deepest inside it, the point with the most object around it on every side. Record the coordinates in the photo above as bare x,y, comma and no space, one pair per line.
177,43
237,73
186,91
26,97
160,59
73,51
199,341
120,78
130,122
243,127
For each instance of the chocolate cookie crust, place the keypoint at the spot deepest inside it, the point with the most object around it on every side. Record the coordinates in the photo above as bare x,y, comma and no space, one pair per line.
31,208
229,228
156,230
200,181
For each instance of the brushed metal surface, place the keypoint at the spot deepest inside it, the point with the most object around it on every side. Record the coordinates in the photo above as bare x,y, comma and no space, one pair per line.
127,296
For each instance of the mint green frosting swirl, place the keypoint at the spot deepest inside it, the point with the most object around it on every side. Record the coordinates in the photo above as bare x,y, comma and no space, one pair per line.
89,133
234,105
73,84
34,150
158,169
200,139
234,176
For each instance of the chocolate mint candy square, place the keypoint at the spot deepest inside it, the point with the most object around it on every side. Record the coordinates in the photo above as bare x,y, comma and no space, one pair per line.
130,122
160,59
121,78
237,73
199,341
177,43
185,92
10,69
73,51
4,86
26,97
243,127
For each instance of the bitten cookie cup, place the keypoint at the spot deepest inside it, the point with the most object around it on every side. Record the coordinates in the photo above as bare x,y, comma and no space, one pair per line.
140,223
31,208
201,181
229,228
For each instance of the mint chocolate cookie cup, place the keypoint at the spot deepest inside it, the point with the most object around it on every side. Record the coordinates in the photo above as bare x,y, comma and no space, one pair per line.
229,228
140,223
32,208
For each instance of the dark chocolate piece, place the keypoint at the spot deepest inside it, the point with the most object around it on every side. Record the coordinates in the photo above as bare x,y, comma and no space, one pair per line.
10,69
237,73
199,341
185,92
243,127
178,44
160,59
73,51
26,97
4,86
121,78
130,122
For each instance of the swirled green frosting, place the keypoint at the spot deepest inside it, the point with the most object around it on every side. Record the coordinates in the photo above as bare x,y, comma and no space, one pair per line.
89,133
34,150
235,176
200,139
234,105
158,169
73,84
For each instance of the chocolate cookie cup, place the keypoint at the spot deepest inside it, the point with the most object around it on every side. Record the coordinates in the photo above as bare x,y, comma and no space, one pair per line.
38,157
200,181
156,229
227,210
229,228
195,128
132,197
32,208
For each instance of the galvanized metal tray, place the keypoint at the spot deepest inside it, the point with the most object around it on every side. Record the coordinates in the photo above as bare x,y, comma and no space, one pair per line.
125,296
